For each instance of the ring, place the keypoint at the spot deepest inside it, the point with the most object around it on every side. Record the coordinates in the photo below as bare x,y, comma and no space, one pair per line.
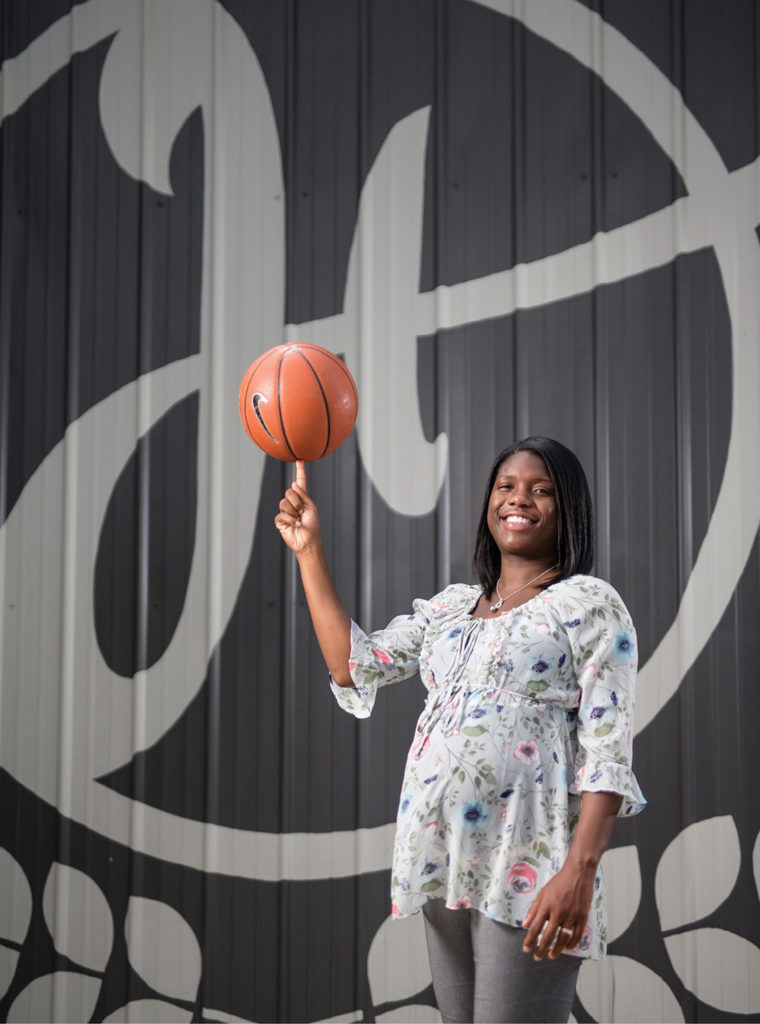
566,931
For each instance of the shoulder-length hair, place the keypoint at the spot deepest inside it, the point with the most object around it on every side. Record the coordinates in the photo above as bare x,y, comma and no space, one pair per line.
575,513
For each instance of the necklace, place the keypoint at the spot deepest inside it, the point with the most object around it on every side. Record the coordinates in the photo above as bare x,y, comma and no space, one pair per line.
500,602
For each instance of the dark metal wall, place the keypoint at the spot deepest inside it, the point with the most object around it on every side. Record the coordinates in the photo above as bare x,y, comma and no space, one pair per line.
509,218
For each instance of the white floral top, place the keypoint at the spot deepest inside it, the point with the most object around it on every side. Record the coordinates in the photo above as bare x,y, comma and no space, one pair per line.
524,712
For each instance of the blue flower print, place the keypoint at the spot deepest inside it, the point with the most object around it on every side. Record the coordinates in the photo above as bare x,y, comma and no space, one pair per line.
507,793
477,713
596,712
431,779
572,623
474,814
624,646
595,776
540,666
455,632
561,661
614,698
406,800
508,665
430,867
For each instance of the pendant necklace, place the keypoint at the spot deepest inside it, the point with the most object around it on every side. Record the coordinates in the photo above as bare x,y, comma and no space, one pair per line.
500,602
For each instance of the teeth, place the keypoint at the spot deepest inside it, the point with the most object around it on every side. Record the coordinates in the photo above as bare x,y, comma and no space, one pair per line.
517,519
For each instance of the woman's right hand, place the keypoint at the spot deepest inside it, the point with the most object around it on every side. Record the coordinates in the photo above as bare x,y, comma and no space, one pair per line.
298,518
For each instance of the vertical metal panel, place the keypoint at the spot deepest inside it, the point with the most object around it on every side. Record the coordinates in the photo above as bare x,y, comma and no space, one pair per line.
490,211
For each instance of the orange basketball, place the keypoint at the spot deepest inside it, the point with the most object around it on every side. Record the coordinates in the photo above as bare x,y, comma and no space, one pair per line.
298,402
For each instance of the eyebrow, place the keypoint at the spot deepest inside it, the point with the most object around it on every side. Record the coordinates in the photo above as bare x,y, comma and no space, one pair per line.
535,479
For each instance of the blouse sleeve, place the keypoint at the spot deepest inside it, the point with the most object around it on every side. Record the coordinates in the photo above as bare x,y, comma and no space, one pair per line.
385,656
603,642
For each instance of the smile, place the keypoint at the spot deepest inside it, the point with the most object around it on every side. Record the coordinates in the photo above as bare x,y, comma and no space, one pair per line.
515,520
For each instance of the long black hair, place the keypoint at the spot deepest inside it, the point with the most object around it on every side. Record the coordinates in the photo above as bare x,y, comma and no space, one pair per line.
575,513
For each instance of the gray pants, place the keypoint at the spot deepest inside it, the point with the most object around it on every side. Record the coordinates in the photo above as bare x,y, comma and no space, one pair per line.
480,972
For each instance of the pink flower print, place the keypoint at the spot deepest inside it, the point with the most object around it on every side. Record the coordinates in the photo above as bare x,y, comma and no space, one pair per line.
395,912
381,656
587,675
528,752
419,747
586,938
580,775
522,877
464,903
431,828
543,627
351,666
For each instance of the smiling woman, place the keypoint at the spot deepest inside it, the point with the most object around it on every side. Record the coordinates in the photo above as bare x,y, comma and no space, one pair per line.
522,511
522,755
533,483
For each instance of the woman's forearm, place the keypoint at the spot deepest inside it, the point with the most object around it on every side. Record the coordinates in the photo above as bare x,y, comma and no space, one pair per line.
595,824
329,618
558,916
298,523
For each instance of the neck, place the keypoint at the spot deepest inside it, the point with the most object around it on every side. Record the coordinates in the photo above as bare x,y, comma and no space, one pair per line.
516,571
521,587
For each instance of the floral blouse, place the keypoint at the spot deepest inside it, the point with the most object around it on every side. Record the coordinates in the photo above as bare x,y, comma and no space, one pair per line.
523,713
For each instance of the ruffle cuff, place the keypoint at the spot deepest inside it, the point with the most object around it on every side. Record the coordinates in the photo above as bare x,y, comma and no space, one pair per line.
610,777
357,702
359,699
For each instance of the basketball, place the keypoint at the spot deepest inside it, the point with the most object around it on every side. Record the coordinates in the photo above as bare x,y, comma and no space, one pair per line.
298,401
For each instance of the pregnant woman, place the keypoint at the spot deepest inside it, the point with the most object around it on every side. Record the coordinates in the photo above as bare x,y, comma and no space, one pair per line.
521,758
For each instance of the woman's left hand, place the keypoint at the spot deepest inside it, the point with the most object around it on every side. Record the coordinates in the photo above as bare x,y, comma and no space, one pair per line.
559,913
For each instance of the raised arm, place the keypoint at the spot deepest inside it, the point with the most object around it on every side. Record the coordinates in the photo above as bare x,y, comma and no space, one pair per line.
298,523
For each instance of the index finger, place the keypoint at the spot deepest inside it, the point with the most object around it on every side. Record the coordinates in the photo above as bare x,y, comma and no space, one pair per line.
301,474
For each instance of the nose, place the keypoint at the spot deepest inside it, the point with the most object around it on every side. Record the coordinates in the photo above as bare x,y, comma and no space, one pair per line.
520,496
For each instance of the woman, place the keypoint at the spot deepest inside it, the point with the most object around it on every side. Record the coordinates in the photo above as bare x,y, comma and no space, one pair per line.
521,759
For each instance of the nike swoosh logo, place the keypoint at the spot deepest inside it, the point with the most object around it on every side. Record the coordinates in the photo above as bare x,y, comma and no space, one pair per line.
256,399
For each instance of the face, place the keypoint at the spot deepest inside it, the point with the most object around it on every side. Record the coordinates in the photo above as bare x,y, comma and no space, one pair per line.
522,509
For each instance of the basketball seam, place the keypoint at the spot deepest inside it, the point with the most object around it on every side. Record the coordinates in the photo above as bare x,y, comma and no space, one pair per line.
279,405
344,368
324,399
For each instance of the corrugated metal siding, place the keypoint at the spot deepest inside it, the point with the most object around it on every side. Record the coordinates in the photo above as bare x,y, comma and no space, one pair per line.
509,219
